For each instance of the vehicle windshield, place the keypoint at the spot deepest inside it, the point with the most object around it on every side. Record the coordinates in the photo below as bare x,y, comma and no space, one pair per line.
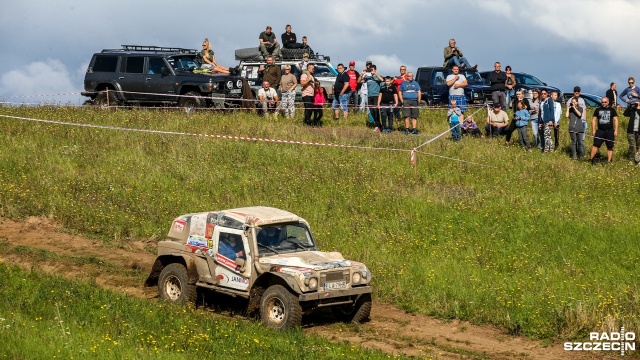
324,70
528,80
284,238
183,63
473,77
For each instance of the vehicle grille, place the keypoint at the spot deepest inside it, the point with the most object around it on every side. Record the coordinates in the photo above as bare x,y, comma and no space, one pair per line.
335,276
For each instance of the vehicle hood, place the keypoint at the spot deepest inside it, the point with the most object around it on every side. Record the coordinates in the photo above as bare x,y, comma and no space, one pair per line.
315,260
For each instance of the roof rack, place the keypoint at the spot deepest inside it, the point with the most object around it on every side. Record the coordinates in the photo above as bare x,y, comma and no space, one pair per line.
155,49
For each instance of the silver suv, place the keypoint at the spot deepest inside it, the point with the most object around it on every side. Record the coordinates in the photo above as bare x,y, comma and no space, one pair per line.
262,254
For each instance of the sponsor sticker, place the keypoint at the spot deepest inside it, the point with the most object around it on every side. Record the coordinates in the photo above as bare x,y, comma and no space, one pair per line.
179,225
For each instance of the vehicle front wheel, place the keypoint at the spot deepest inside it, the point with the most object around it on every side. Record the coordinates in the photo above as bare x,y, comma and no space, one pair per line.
104,101
280,309
356,313
191,101
174,287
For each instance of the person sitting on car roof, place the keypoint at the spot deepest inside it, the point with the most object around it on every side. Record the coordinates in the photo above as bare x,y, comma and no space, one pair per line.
208,59
453,56
289,40
268,43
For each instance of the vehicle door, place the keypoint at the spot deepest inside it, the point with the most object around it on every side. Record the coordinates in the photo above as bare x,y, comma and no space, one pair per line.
131,77
423,77
233,259
158,80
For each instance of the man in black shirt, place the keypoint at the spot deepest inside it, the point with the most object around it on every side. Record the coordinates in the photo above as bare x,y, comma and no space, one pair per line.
604,127
341,92
289,39
387,101
497,78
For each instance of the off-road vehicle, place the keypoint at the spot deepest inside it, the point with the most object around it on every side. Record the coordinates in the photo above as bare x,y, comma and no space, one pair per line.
152,75
433,84
262,254
251,60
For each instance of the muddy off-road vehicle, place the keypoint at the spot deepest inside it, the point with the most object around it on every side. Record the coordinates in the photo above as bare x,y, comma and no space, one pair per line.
262,254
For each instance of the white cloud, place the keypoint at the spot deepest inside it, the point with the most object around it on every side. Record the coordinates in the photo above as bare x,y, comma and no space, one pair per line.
589,81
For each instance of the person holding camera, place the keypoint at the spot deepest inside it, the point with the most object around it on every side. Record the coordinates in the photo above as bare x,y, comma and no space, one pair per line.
373,81
631,96
268,98
575,112
453,56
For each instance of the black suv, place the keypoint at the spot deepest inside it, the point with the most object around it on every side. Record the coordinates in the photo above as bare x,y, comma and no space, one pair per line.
152,75
433,84
527,83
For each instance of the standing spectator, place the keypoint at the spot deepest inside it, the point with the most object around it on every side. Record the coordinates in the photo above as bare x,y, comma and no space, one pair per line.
387,101
268,98
631,97
454,118
521,118
456,83
410,96
498,78
604,128
557,113
373,80
307,82
453,56
534,105
288,83
271,72
208,59
576,128
268,43
497,121
509,85
353,82
318,102
397,82
576,94
612,94
469,127
289,40
364,93
341,92
547,118
514,107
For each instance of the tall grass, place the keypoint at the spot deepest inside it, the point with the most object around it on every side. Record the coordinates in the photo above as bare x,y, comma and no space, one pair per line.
536,244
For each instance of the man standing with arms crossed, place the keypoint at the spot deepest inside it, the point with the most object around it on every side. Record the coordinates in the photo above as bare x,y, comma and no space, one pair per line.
497,78
410,96
456,83
353,83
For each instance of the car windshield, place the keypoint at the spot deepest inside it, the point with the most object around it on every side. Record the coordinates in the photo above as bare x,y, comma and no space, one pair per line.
324,70
183,63
284,238
527,79
473,77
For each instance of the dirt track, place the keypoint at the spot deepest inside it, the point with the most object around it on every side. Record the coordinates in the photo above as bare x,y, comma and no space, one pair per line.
390,329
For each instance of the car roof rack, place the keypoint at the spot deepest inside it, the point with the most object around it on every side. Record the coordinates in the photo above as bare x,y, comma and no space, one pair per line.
154,49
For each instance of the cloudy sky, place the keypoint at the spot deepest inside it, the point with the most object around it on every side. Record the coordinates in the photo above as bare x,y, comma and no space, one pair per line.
46,45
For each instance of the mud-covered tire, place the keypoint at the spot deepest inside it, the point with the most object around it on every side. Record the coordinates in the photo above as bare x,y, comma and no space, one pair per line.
280,309
191,101
174,287
101,99
356,313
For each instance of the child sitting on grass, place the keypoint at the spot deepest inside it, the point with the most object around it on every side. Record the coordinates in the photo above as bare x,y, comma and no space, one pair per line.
522,117
455,117
469,127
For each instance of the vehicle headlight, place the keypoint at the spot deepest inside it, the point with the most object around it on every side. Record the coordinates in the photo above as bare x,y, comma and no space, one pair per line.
229,84
356,278
215,86
312,283
239,84
475,95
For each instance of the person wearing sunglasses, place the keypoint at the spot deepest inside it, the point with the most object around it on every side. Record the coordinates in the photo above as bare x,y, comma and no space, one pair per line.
631,96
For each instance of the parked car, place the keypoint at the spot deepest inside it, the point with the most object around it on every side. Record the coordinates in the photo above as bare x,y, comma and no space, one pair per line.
432,80
265,255
251,60
590,100
527,83
152,75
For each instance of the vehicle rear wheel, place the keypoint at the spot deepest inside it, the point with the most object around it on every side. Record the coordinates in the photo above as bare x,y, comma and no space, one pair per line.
102,102
356,313
280,309
191,101
174,287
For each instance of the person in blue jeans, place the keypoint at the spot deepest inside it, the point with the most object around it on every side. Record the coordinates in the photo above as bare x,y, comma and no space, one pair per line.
521,118
453,56
455,117
341,93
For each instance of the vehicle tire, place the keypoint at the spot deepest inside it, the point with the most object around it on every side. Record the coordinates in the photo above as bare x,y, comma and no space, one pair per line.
174,287
280,309
356,313
190,101
101,99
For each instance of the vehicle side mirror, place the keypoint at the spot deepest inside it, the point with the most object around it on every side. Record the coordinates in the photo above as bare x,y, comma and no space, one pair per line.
164,70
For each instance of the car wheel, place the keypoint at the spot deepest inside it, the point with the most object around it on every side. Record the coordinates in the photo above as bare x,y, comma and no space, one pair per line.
190,101
174,287
280,309
105,101
356,313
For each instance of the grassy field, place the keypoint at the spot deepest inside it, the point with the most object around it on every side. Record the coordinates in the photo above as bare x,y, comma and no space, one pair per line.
536,244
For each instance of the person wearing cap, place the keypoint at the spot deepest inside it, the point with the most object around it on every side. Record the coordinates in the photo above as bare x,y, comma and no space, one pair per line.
353,83
581,103
453,56
268,43
497,121
631,95
341,93
305,61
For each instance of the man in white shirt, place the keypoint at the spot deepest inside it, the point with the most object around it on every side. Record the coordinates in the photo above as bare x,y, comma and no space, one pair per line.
268,98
